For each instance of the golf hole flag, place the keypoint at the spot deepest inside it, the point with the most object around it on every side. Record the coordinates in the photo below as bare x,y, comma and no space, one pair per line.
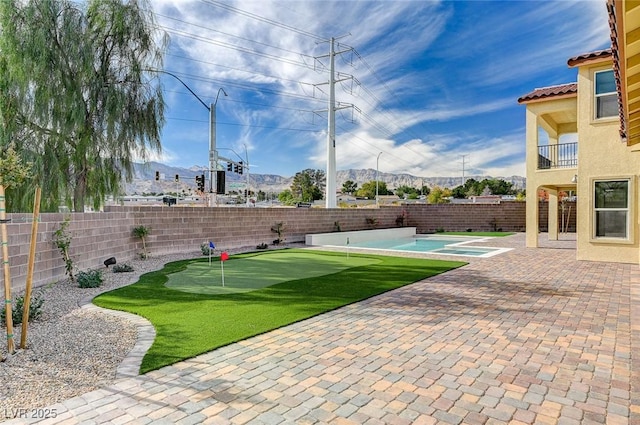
211,248
223,257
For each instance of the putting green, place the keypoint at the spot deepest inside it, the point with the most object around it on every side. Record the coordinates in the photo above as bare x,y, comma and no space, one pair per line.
251,273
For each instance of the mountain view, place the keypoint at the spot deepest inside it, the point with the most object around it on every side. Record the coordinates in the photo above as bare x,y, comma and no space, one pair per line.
144,179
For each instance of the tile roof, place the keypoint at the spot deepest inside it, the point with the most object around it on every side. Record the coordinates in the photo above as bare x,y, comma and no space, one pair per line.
547,92
585,57
618,70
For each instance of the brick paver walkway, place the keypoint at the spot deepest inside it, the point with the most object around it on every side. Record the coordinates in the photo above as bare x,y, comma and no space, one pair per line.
530,336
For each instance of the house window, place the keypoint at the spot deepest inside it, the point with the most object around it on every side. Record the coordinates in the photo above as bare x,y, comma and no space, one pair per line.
606,95
612,209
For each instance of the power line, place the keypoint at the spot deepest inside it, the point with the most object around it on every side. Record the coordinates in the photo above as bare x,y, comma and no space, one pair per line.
262,19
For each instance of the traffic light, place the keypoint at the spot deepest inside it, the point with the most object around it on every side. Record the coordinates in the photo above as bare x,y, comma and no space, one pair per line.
220,186
200,182
157,175
229,166
240,168
235,168
177,178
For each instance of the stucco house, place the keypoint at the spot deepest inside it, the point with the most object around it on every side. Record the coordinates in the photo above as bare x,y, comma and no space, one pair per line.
584,136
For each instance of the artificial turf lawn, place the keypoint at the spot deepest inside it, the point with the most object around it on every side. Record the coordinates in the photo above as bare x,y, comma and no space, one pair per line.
189,324
259,271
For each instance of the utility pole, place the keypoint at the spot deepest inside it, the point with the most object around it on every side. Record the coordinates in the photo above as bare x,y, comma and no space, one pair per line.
330,202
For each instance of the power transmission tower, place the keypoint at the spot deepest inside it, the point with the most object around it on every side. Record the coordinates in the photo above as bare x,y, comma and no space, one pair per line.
463,179
330,195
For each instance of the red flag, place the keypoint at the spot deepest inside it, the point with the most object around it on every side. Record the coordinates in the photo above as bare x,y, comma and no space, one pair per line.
224,256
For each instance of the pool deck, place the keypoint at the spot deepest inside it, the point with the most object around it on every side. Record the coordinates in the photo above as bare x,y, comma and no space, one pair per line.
531,336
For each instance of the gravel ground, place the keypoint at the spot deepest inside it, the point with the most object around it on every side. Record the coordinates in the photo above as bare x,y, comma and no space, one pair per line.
70,351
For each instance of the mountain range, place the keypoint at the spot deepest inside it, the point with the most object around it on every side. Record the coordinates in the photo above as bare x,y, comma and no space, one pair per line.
145,179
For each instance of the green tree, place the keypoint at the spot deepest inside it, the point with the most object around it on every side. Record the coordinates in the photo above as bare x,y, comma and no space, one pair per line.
411,192
499,186
286,197
76,94
368,189
308,185
439,195
349,187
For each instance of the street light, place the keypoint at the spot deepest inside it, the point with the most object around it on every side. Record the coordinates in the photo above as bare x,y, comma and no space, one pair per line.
377,161
213,154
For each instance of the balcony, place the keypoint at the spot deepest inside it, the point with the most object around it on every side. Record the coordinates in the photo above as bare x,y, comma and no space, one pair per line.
562,155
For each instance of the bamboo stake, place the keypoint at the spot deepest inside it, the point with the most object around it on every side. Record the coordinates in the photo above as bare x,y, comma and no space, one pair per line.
7,274
30,266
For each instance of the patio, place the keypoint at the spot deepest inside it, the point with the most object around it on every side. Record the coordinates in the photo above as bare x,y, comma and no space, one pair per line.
529,336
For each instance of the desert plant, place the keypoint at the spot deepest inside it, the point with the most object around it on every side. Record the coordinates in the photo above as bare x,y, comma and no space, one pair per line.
142,232
262,246
62,240
35,308
279,229
401,220
90,279
372,222
122,268
206,249
337,226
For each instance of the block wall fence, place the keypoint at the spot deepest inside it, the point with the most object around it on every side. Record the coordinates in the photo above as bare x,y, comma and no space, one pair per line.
98,236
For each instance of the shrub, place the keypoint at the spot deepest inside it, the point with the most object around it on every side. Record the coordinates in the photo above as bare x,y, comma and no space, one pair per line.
262,246
89,279
62,240
279,229
122,268
206,249
35,308
142,232
439,230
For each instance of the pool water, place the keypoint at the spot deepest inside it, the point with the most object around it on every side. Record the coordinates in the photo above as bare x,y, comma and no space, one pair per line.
446,245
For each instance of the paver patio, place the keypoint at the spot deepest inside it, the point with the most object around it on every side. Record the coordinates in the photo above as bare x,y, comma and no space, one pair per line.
529,336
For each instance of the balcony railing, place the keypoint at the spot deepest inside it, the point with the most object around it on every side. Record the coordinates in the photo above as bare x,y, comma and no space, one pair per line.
563,155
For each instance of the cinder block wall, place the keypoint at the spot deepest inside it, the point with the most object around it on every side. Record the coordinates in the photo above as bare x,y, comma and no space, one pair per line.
98,236
95,237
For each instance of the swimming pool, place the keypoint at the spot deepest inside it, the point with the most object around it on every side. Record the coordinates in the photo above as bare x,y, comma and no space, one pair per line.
432,244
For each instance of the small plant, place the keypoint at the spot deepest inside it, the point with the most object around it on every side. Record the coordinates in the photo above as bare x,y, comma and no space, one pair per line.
35,308
337,227
90,279
279,229
372,222
206,249
262,246
494,224
122,268
62,240
440,230
142,232
401,220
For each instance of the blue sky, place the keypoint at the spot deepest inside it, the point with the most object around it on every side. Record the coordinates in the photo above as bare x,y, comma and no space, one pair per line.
434,81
